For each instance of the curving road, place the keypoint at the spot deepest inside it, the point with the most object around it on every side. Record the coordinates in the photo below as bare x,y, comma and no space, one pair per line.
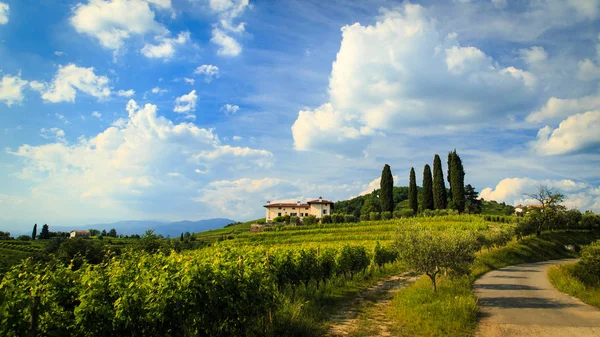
520,301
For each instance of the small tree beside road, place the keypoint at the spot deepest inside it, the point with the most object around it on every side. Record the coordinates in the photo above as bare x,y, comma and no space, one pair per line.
430,252
550,200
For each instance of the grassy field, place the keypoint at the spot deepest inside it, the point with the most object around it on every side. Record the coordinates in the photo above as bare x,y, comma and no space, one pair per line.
564,278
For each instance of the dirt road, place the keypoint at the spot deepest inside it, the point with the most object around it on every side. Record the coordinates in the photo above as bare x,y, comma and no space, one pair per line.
520,301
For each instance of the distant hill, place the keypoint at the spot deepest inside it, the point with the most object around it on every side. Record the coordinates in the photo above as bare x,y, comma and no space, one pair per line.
172,229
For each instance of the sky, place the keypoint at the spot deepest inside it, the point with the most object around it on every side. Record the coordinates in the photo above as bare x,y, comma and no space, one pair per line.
191,109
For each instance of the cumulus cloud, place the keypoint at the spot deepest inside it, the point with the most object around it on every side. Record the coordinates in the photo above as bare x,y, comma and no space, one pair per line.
158,90
4,10
165,48
576,133
228,46
375,184
236,138
238,198
53,133
533,55
228,11
70,78
209,72
133,159
11,89
578,195
186,103
126,93
556,108
230,109
96,114
384,76
112,22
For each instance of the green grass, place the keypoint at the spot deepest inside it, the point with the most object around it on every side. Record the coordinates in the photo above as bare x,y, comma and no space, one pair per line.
452,311
563,278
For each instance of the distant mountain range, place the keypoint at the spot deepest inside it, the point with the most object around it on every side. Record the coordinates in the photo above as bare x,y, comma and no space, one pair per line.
172,229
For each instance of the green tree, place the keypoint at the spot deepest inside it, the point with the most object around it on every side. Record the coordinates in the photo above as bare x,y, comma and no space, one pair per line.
457,182
449,175
45,233
429,252
371,205
386,193
413,201
104,232
427,202
112,233
551,200
472,204
440,199
181,237
34,233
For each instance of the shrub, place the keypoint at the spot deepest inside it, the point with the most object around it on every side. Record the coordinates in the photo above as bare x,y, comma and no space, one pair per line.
287,218
588,269
310,220
375,216
326,219
386,215
364,217
428,212
590,220
337,218
24,237
350,218
278,219
294,220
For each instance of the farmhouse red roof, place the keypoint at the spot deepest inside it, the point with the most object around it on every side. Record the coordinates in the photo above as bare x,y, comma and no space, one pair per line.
320,201
278,204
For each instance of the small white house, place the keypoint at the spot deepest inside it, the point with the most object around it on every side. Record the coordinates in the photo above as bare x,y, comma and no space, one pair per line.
319,208
78,233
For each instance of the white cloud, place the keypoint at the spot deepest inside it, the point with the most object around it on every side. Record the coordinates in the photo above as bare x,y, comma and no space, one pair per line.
186,103
577,133
53,133
588,70
263,158
562,107
382,80
96,114
106,170
37,86
577,194
189,81
126,93
236,138
533,55
59,53
239,198
4,10
11,89
166,47
158,90
70,78
230,109
228,46
375,184
209,71
112,22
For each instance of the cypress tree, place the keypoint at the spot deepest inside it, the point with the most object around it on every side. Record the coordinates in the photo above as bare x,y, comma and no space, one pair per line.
412,192
34,233
440,199
427,188
386,194
45,233
449,175
458,182
181,238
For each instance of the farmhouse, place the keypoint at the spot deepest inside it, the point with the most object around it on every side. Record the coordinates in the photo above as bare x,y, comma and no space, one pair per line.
318,208
80,234
520,209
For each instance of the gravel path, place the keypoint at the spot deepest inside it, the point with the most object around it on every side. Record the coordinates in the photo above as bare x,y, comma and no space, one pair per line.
520,301
371,300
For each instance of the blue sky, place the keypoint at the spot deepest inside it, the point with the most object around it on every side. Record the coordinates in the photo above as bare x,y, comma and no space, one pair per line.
189,109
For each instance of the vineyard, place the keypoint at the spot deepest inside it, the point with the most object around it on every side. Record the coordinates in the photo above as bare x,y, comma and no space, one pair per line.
253,284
